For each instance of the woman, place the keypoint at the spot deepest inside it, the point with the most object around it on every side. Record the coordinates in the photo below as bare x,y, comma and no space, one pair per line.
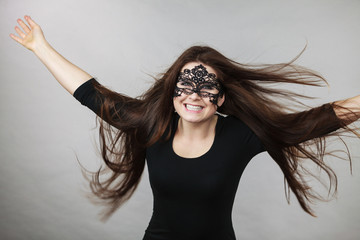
195,156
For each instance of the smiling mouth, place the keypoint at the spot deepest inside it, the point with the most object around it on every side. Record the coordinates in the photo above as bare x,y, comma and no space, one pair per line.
193,107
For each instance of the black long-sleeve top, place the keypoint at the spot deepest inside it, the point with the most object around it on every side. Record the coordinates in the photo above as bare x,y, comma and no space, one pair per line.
193,197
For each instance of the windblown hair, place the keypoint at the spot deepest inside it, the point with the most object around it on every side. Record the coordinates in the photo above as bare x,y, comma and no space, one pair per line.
129,125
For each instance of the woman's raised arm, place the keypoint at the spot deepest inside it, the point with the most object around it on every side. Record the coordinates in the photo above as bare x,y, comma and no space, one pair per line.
348,110
66,73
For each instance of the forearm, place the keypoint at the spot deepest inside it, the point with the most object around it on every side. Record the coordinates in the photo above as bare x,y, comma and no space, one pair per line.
322,120
348,110
306,125
66,73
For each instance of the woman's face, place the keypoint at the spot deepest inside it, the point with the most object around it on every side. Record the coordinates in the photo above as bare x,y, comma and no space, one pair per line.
197,93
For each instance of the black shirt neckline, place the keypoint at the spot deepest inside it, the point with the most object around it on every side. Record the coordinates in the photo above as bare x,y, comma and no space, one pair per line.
217,129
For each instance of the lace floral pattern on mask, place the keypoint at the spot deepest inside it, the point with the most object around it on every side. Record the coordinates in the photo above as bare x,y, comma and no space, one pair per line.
198,80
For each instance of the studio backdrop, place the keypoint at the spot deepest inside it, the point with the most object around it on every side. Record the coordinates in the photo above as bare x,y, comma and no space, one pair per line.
45,131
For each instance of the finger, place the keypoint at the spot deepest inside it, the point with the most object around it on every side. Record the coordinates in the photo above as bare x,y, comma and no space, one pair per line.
24,26
30,21
16,38
18,30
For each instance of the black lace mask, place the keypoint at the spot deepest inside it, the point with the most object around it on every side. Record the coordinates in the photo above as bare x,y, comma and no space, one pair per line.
199,81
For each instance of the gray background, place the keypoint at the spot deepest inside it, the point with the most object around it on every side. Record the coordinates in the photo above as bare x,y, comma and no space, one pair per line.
43,128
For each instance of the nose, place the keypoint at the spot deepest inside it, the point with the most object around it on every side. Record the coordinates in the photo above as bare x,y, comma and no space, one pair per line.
194,96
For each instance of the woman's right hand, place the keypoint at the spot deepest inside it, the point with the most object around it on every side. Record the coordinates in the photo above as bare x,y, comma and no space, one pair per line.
30,36
67,74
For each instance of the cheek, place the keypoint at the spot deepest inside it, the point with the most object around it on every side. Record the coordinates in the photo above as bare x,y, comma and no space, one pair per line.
177,101
208,103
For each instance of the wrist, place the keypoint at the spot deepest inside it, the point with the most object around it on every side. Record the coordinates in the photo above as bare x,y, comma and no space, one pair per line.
42,49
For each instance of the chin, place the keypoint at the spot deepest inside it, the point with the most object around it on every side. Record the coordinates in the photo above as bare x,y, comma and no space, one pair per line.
196,118
191,119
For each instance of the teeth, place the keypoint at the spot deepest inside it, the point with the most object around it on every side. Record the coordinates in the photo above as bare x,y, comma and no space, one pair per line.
193,108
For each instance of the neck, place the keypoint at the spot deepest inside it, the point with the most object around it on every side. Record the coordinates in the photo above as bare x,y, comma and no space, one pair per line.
198,130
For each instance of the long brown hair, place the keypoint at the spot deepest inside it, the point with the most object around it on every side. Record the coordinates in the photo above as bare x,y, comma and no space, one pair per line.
129,125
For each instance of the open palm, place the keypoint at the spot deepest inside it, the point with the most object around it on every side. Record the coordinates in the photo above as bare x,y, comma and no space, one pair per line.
29,36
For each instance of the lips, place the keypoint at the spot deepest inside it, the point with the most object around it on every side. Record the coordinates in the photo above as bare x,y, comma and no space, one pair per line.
195,108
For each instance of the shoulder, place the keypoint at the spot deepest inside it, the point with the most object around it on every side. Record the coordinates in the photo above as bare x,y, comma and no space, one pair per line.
233,127
232,123
237,131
